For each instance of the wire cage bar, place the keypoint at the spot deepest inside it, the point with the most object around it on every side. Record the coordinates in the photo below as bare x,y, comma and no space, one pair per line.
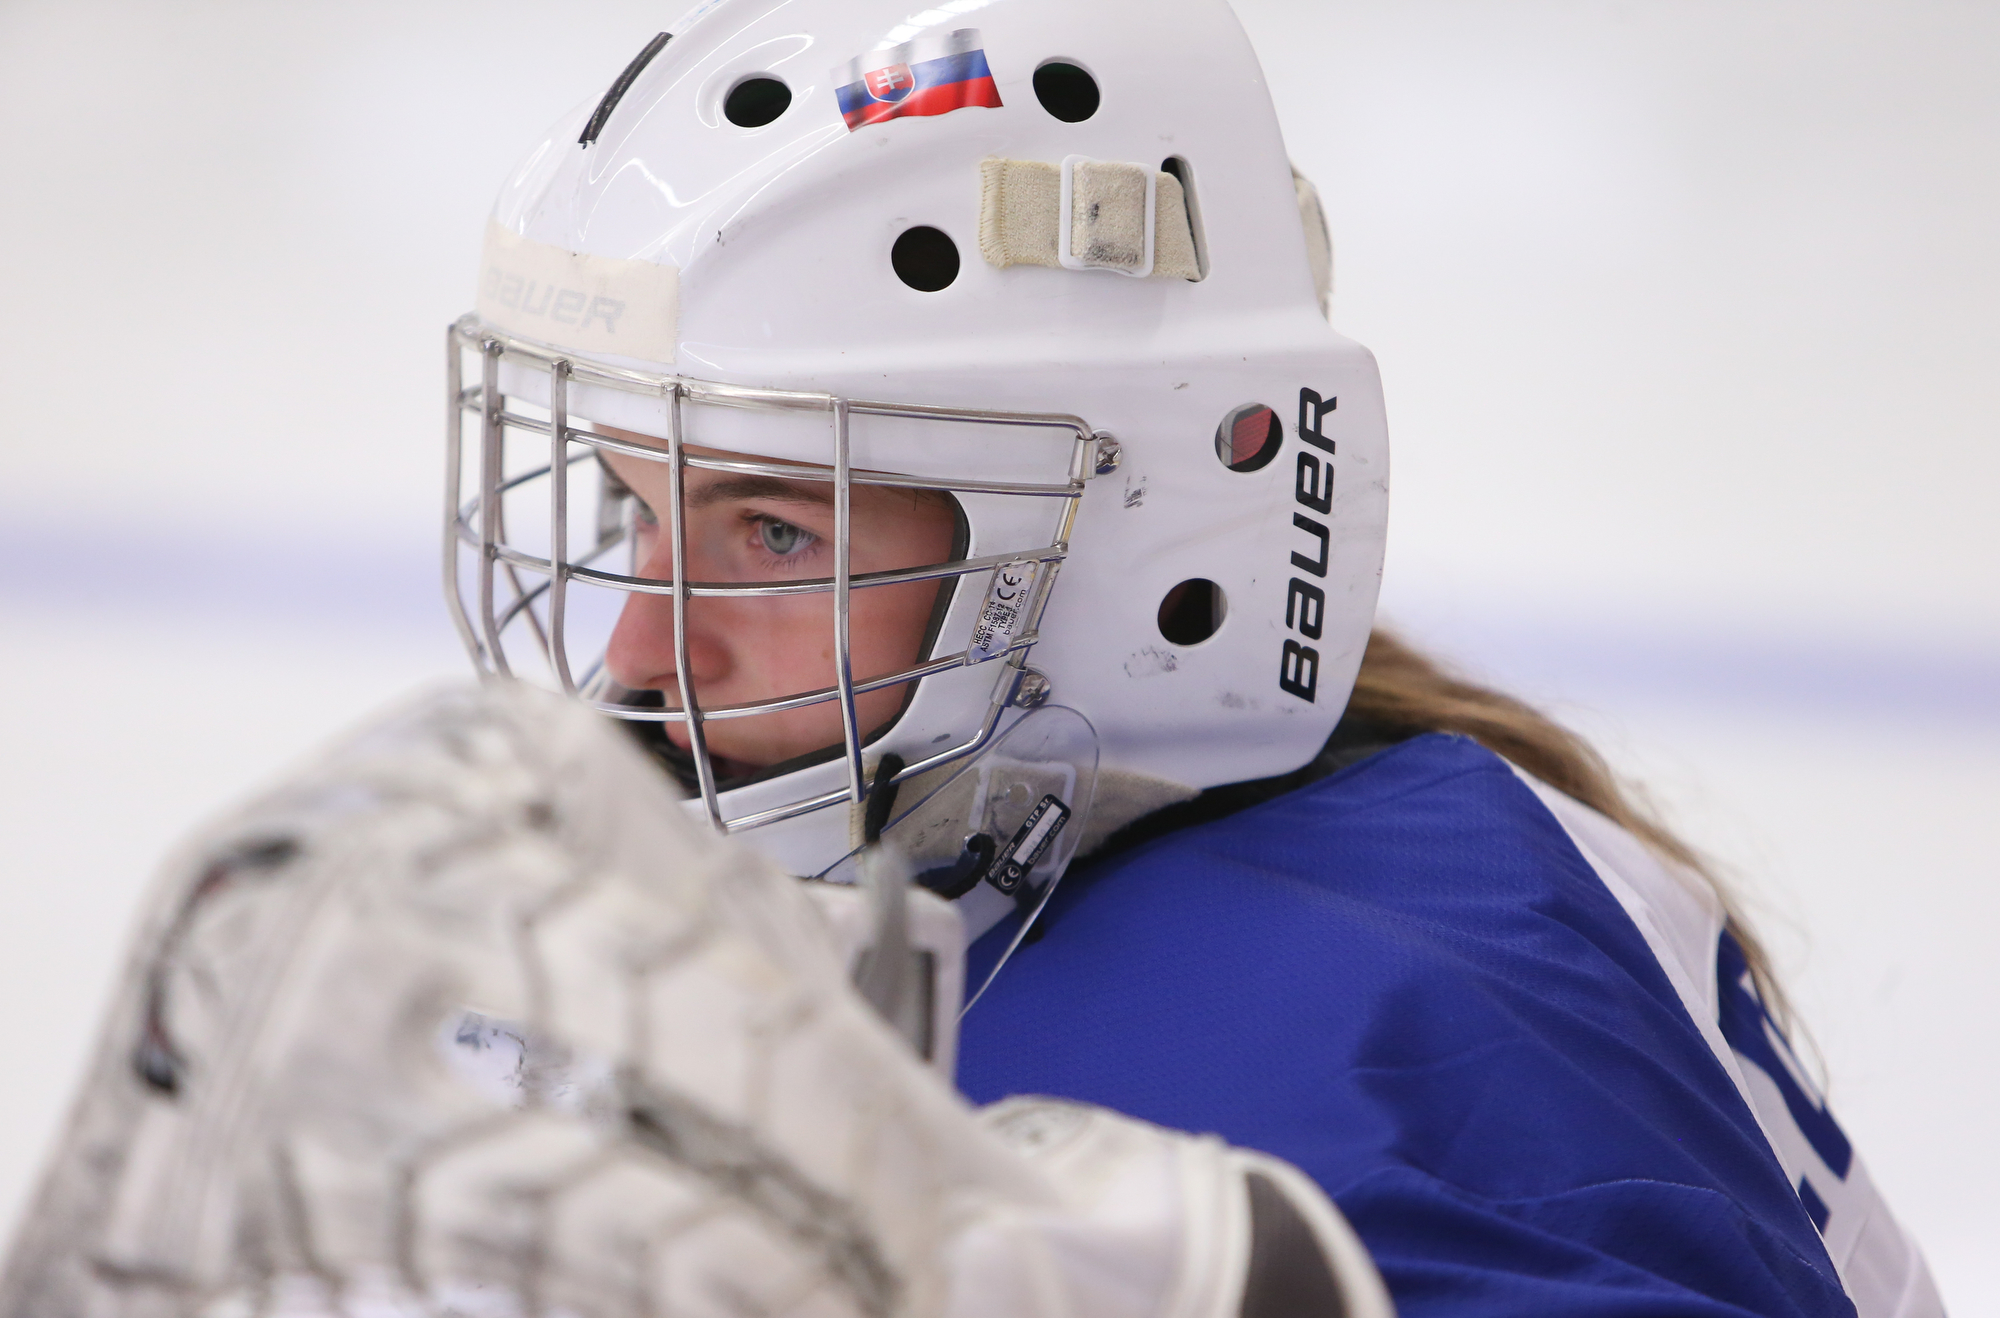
516,588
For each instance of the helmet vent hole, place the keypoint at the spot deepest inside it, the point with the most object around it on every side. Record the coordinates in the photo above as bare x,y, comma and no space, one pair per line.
1066,91
756,101
1193,611
925,258
1249,437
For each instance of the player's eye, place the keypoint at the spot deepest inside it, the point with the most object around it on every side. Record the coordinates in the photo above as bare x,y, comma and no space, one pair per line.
644,515
782,538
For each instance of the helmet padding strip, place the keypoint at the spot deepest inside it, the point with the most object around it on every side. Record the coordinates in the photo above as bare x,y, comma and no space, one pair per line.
577,302
1020,215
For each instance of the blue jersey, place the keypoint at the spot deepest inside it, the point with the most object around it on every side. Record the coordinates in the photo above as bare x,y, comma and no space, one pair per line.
1520,1054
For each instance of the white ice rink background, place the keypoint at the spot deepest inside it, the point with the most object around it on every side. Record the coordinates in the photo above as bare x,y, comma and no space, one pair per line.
1688,313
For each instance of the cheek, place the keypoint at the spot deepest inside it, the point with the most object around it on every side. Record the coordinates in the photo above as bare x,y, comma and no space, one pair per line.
787,641
888,624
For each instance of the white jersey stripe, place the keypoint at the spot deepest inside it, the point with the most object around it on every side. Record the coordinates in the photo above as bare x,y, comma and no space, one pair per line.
1682,922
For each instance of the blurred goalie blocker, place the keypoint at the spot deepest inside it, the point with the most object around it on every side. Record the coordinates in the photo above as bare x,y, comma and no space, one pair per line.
471,1018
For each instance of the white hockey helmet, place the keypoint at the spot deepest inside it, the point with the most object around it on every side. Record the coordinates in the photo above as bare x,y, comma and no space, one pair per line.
1046,256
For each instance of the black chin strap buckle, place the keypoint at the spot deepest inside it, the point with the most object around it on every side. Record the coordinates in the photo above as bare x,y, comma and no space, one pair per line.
963,875
1006,868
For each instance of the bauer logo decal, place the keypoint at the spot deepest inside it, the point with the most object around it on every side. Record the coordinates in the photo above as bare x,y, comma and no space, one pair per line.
576,301
932,74
1005,609
1305,601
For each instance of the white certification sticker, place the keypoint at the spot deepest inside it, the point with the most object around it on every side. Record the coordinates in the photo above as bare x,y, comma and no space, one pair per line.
1001,616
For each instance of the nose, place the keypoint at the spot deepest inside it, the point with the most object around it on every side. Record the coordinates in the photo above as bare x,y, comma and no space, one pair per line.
640,654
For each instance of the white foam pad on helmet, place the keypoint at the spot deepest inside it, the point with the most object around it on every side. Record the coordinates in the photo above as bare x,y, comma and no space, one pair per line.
1020,217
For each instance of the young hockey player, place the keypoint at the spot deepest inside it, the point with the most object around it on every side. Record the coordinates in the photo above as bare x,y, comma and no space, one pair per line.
924,431
1427,952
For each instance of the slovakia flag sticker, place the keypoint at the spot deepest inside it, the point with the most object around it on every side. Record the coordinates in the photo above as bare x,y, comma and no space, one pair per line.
891,84
932,74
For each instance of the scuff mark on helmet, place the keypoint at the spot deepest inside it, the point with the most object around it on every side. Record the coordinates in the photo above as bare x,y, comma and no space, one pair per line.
1152,661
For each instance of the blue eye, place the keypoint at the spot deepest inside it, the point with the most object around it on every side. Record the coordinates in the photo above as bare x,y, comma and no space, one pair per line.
782,538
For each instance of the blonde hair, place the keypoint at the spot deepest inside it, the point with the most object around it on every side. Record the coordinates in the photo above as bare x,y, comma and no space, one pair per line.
1404,691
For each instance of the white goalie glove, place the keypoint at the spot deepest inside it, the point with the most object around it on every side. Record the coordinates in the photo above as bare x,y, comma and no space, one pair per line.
472,1019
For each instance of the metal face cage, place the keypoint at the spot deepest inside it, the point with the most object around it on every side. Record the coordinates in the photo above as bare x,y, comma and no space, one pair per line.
522,592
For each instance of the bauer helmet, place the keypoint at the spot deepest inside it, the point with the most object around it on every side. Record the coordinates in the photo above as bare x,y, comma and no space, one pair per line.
1041,262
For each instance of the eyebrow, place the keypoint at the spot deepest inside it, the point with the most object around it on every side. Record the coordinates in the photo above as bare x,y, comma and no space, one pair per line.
762,487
